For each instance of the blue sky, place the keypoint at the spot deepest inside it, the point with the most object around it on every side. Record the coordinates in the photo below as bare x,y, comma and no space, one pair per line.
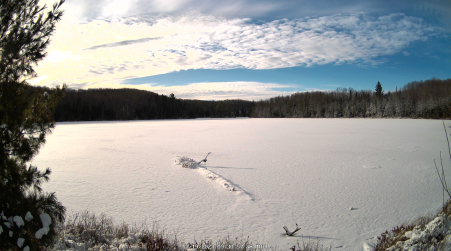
247,49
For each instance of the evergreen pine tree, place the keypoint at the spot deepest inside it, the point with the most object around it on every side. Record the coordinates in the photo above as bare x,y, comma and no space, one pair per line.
27,214
379,92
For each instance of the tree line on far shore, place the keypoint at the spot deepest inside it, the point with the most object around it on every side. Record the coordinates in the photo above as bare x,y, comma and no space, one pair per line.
133,104
430,99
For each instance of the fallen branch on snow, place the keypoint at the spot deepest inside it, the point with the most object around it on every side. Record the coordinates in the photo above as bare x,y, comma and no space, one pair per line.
204,160
186,162
291,233
190,163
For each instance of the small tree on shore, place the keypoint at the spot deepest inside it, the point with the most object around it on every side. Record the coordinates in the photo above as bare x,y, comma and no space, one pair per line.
27,214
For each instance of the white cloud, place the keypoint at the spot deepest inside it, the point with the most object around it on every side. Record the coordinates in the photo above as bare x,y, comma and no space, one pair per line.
114,8
37,80
94,9
167,5
212,90
106,51
56,56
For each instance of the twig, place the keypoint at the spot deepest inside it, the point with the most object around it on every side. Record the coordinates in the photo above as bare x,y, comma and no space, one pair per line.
447,140
442,179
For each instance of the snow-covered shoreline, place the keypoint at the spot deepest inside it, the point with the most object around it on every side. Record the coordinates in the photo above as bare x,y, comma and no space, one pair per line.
86,231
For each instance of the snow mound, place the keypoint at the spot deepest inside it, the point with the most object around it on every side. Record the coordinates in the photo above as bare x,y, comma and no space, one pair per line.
227,184
190,163
367,247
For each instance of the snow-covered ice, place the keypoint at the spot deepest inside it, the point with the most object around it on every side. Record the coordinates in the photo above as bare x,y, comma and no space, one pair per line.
262,174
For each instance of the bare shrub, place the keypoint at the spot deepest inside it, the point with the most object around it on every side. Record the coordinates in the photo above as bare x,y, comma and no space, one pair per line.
441,175
88,231
121,231
309,246
226,244
186,162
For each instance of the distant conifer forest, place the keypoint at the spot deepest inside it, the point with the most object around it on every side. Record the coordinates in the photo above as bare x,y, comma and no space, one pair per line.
133,104
430,99
419,99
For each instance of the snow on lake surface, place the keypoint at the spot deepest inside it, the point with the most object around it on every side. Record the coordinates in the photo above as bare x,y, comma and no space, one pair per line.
283,171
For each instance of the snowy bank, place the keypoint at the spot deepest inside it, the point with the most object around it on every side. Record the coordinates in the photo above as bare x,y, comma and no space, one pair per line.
426,233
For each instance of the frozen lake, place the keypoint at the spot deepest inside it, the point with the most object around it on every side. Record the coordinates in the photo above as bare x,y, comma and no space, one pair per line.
285,171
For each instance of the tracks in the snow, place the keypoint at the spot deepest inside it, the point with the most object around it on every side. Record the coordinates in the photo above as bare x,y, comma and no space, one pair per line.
227,184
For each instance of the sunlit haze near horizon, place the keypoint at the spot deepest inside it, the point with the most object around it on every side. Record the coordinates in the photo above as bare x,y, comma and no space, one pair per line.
252,50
